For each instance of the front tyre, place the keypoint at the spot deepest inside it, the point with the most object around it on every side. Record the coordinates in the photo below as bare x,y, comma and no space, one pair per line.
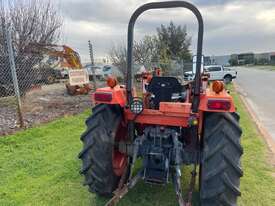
221,167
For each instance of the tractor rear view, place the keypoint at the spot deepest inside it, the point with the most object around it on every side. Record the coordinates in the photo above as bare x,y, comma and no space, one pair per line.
171,126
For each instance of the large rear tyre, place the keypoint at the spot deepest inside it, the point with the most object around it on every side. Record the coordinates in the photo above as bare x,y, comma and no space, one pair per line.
221,167
98,152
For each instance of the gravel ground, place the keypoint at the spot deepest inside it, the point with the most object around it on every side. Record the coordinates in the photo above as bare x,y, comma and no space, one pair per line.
41,105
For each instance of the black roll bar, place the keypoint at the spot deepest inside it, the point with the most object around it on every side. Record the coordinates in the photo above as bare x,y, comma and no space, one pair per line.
162,5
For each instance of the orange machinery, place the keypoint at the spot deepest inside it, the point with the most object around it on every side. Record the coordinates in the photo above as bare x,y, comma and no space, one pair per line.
68,58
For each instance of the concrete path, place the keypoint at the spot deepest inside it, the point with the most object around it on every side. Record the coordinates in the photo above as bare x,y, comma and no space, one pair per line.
258,88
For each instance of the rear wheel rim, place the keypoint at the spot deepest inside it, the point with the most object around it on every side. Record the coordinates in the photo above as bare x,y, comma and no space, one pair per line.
119,160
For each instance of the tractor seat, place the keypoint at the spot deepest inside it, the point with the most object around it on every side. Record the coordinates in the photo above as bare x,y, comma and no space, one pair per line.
163,88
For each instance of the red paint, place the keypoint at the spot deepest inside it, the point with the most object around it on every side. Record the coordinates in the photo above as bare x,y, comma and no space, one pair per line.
172,114
119,160
118,94
212,97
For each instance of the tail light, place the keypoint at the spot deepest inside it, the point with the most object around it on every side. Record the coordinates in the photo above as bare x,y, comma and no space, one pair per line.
218,104
103,96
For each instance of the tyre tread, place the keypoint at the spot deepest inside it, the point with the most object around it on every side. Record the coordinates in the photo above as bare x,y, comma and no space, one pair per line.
221,170
96,154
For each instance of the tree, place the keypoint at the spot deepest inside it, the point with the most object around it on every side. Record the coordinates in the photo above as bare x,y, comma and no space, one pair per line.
118,55
175,41
146,51
30,21
170,43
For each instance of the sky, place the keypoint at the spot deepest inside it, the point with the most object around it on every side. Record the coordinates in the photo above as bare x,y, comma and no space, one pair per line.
230,26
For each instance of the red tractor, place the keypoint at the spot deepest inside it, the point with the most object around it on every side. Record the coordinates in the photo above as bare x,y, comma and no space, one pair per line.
172,125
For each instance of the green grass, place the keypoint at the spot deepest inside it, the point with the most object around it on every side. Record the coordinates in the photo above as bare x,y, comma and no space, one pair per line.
39,166
258,182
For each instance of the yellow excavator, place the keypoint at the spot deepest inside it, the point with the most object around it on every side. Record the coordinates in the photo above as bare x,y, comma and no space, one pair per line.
68,58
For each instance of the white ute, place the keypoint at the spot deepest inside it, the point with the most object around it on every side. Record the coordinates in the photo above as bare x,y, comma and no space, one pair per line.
216,72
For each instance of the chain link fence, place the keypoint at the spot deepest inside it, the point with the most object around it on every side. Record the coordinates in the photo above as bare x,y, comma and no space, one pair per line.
32,90
171,68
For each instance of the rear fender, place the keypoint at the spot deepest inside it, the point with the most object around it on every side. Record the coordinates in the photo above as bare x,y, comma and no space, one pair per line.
210,95
117,95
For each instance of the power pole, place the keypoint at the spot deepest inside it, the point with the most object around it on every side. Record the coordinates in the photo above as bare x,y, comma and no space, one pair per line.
92,62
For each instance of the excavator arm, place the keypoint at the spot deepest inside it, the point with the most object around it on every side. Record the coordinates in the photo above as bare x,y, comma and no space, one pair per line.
67,58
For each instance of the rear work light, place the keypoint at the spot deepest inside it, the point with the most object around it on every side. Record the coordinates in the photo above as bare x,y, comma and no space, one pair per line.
218,104
103,96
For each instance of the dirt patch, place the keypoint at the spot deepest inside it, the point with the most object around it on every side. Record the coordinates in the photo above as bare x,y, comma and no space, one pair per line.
41,105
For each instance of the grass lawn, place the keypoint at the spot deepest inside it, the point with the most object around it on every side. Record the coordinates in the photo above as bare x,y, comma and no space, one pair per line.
39,166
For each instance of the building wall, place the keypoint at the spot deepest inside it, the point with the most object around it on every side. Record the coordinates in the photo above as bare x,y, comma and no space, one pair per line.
219,60
262,56
243,58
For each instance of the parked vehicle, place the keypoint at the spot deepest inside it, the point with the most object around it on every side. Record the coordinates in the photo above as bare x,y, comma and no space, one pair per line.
102,72
111,70
216,72
64,73
98,72
45,74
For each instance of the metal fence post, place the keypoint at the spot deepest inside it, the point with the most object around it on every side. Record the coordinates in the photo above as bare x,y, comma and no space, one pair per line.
14,76
92,63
